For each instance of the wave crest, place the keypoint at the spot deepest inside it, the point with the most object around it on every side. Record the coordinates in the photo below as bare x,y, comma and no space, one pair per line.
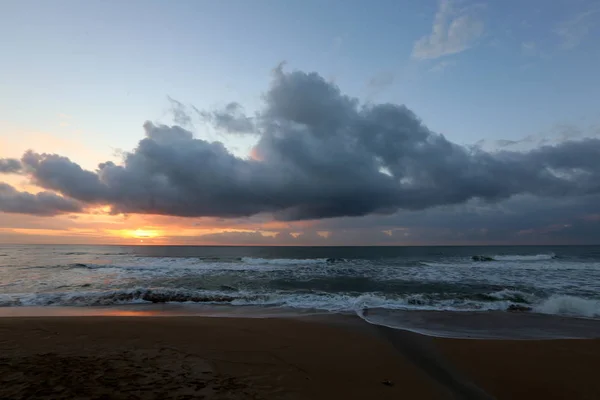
503,300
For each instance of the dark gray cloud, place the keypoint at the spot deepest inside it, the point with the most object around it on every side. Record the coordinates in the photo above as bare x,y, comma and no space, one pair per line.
58,173
43,204
9,166
231,119
321,154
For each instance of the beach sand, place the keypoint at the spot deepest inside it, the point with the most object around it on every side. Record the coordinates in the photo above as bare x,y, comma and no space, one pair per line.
528,369
278,358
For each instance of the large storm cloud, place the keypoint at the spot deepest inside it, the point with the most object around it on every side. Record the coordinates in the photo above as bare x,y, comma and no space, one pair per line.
319,154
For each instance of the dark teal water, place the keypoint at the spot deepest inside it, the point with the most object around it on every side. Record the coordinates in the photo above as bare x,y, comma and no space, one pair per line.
545,279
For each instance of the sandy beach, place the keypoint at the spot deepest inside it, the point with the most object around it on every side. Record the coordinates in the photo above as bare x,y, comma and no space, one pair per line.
277,358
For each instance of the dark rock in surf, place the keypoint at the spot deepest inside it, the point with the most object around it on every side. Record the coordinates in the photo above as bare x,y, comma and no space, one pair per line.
518,308
335,260
482,258
416,302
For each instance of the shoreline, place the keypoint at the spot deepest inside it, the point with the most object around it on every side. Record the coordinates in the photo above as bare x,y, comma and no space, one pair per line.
307,357
474,325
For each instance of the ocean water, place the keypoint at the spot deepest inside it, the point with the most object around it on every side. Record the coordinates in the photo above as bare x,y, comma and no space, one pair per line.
547,280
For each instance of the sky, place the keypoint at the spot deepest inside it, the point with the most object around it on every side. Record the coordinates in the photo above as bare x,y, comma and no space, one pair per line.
300,122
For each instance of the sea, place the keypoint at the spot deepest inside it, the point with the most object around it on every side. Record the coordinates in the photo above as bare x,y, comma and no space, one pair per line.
519,291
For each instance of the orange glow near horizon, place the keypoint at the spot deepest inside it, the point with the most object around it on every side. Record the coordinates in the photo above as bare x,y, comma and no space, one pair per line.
130,313
101,228
98,226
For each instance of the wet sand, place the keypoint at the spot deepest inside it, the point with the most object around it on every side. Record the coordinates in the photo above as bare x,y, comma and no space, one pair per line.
278,358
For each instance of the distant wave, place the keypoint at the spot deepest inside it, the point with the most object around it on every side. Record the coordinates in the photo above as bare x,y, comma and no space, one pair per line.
434,264
167,265
284,261
536,257
149,260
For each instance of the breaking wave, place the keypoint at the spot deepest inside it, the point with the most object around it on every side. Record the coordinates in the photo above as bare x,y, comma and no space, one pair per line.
114,297
570,306
306,299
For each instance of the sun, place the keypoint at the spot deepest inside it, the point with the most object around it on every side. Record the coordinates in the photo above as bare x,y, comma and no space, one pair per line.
144,233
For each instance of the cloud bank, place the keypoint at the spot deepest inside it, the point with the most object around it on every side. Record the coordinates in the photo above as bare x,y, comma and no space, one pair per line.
320,154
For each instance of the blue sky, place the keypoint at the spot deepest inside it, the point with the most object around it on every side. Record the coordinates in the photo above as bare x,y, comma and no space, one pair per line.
508,69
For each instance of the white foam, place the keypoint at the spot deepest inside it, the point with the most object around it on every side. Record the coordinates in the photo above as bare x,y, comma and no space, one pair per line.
403,326
338,302
346,302
569,305
328,301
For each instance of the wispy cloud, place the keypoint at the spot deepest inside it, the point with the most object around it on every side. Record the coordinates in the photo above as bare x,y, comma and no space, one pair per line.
573,30
529,49
454,31
442,66
380,82
179,112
